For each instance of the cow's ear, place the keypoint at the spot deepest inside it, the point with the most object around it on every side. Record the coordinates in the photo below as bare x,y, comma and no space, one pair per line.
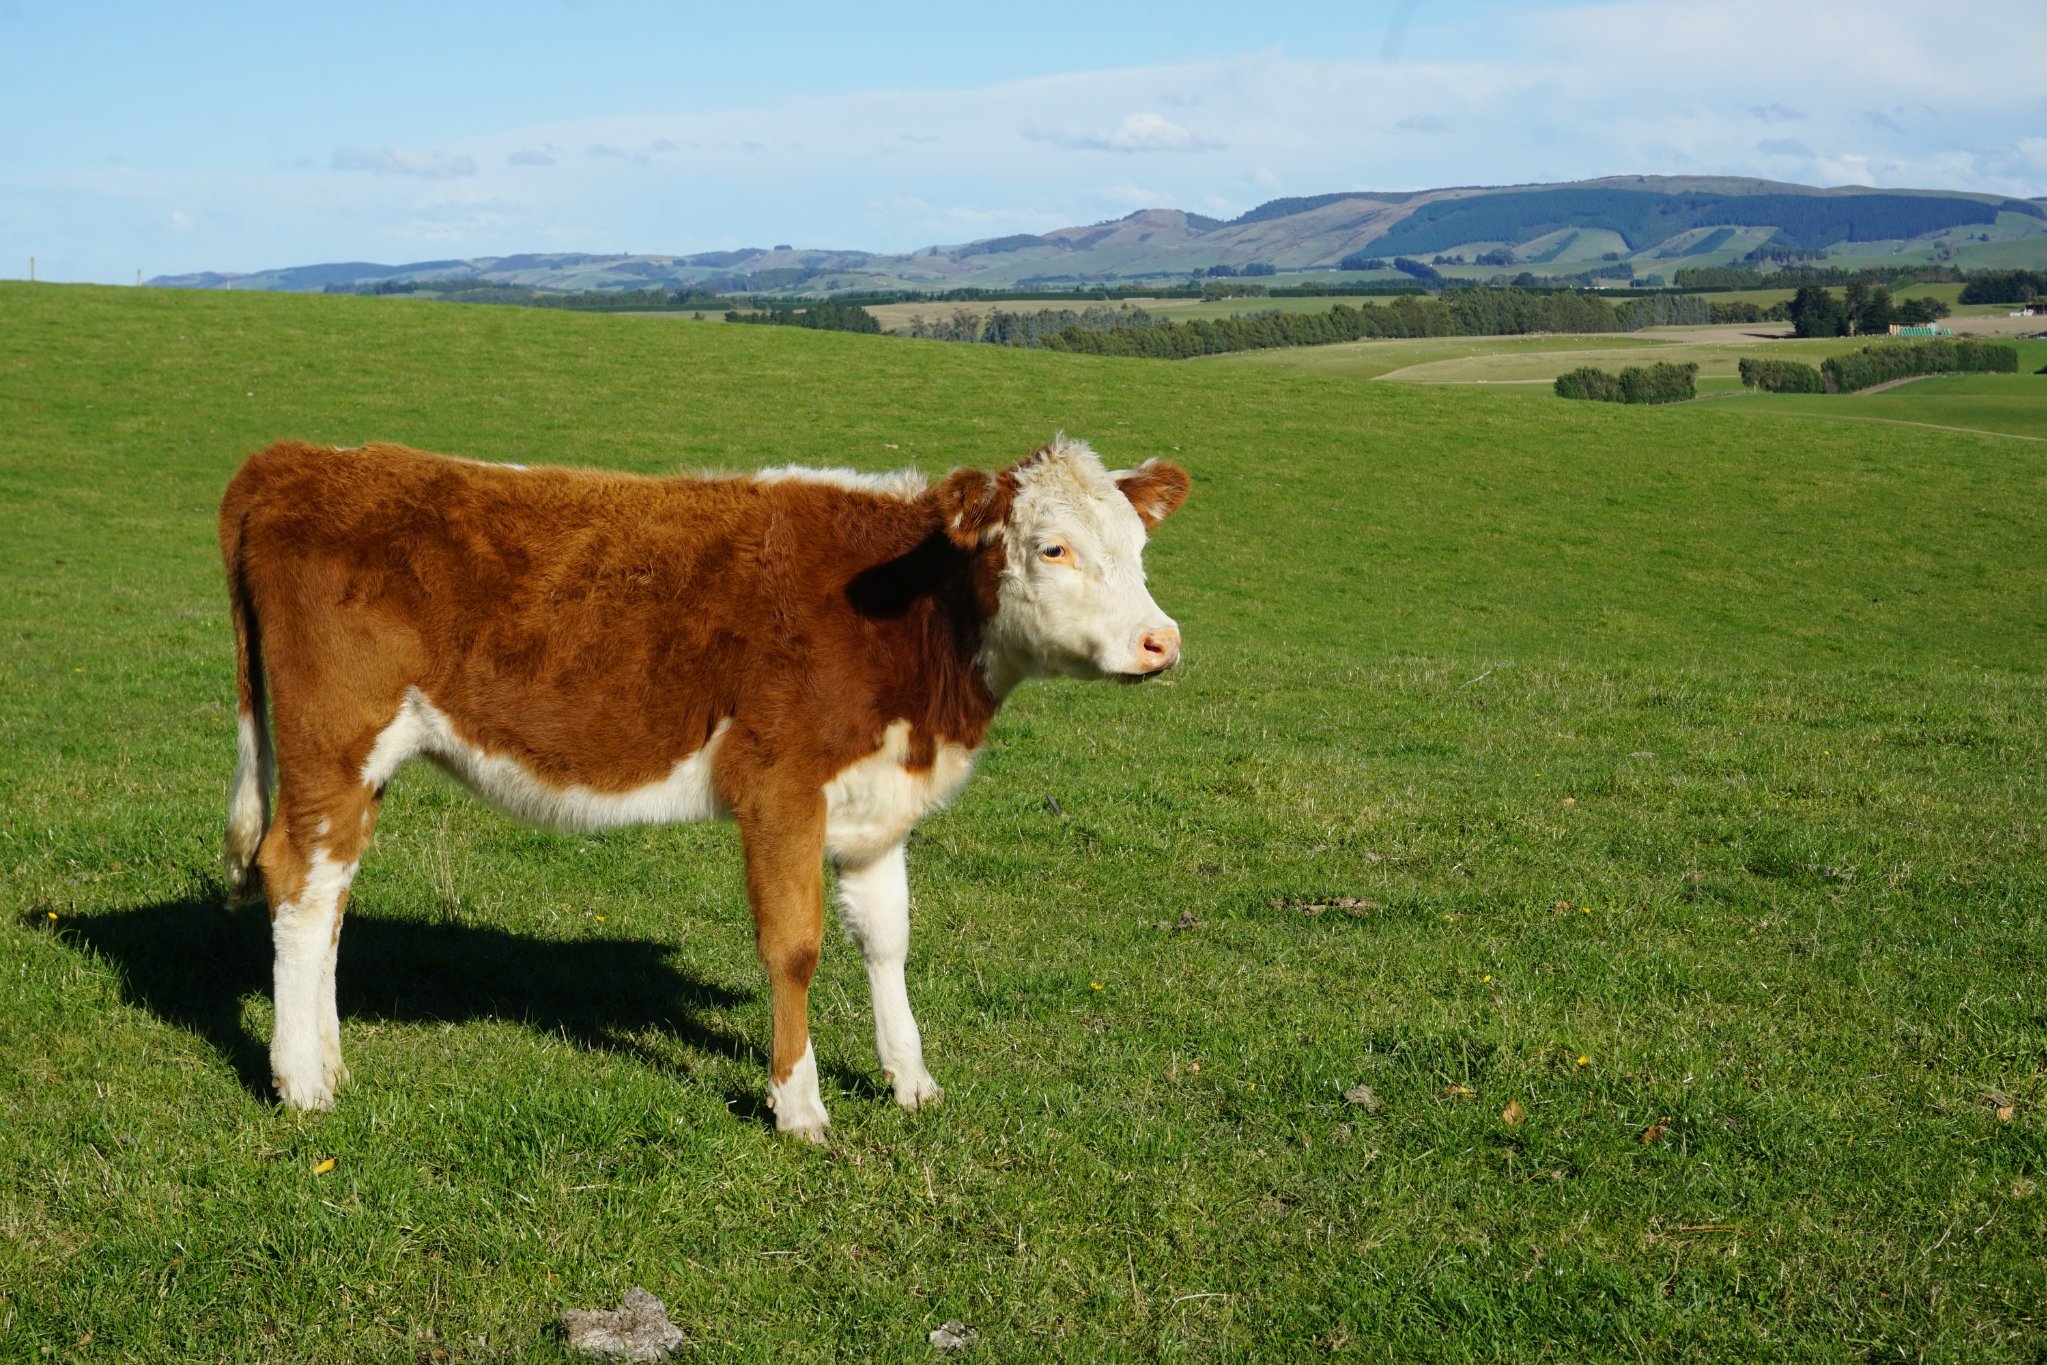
974,504
1154,488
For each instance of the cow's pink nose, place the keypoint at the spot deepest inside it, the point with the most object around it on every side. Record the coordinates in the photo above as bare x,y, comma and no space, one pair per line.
1158,650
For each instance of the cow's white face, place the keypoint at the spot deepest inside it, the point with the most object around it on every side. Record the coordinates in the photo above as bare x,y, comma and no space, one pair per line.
1072,600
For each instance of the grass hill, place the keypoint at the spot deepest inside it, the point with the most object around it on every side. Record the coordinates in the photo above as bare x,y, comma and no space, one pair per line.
1638,224
1644,804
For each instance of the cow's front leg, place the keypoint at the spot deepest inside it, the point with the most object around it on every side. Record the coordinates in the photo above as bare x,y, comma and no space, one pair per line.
785,881
874,902
307,882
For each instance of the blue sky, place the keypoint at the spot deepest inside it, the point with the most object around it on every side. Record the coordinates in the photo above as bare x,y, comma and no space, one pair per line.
240,137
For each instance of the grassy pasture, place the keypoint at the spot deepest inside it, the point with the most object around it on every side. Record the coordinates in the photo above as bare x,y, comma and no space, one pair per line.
1379,358
1528,363
1716,360
1681,769
2012,404
1529,360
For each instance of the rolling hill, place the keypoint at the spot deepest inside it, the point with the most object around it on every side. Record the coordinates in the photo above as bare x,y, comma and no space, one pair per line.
1622,226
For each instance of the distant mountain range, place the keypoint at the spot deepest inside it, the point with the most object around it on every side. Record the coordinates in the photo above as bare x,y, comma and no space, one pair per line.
1621,226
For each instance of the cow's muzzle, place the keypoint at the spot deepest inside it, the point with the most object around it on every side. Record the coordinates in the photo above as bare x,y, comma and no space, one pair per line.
1157,651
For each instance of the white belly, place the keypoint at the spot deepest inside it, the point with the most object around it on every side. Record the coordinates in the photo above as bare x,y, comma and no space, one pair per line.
421,729
870,805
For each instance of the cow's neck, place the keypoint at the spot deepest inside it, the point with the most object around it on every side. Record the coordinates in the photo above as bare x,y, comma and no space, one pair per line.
942,597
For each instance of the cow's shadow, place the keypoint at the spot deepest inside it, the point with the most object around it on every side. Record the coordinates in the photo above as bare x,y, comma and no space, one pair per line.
194,962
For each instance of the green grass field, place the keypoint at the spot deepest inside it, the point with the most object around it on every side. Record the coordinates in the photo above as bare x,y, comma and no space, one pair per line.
2012,404
1644,803
1377,359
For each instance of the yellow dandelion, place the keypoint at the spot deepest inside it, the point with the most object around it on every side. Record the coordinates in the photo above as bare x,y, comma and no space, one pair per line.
1584,1060
324,1167
52,914
1486,980
1094,985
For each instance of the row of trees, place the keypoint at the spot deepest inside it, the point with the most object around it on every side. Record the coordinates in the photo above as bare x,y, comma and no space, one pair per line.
1741,310
1781,376
1658,383
1873,365
1664,310
1723,277
2005,286
1865,310
1458,312
1406,265
1002,328
824,316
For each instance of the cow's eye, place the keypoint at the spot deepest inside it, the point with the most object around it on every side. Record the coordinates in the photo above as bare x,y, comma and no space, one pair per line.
1055,551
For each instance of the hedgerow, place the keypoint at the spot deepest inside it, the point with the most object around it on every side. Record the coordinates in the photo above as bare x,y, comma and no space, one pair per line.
1873,365
1781,376
1658,383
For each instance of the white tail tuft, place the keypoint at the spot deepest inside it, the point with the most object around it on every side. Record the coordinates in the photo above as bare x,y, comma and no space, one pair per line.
248,802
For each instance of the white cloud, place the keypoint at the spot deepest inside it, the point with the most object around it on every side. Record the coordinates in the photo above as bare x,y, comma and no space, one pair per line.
1144,132
1130,198
397,161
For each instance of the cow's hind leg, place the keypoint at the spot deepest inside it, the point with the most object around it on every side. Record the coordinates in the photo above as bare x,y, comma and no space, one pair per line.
308,859
874,903
785,881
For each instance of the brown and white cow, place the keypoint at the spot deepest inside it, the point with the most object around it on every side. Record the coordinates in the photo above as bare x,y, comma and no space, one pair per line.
815,655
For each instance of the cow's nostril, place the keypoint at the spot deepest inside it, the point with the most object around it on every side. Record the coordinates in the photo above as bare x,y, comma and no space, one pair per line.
1158,650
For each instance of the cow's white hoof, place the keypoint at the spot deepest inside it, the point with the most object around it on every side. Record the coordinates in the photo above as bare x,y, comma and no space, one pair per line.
812,1133
799,1109
313,1095
918,1091
335,1074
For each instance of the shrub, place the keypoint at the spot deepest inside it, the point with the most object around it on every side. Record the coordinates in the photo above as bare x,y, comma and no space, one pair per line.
1873,365
1589,382
1781,376
1659,383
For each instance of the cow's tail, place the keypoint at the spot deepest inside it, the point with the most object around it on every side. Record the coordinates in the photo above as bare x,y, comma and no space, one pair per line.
248,796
